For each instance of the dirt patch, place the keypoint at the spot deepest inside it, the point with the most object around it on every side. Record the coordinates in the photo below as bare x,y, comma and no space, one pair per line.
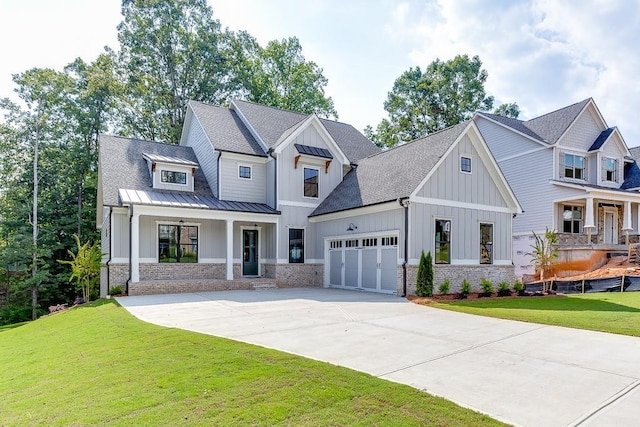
615,267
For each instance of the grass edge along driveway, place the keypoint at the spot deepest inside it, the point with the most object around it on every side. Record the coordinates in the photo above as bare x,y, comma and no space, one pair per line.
617,313
100,365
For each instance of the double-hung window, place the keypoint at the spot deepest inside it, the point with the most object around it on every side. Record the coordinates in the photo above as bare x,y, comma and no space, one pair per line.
296,245
443,241
574,166
572,219
610,170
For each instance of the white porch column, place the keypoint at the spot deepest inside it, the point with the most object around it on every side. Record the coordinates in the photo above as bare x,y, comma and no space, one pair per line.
135,248
588,221
229,249
627,217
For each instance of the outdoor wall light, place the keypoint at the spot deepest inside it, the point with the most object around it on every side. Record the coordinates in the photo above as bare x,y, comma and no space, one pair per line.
352,227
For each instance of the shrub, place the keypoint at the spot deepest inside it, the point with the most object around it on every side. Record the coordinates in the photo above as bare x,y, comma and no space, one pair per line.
116,290
429,262
518,286
503,289
444,287
424,281
486,286
466,287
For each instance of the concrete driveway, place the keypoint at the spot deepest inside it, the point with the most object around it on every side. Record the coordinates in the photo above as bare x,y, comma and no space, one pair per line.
521,373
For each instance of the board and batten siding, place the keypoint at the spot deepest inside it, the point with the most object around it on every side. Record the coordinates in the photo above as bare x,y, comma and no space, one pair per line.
271,182
297,217
204,151
241,189
291,179
583,132
465,232
120,233
449,183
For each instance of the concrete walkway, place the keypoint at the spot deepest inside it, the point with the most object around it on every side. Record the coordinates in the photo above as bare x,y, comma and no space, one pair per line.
524,374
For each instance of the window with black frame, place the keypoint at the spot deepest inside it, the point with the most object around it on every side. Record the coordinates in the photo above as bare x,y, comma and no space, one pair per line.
296,245
177,243
443,241
310,182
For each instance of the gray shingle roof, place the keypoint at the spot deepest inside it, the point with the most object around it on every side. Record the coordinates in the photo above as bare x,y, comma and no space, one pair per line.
547,128
391,174
225,130
122,165
635,153
274,124
188,200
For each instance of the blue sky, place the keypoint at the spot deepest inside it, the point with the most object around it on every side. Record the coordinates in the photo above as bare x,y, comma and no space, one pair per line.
542,54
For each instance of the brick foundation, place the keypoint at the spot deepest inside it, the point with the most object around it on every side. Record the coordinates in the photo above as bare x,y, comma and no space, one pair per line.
295,275
457,273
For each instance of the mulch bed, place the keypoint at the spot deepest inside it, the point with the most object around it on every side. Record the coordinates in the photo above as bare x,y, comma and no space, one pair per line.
474,296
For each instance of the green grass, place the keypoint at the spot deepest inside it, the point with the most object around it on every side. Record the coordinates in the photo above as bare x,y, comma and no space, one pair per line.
617,313
99,365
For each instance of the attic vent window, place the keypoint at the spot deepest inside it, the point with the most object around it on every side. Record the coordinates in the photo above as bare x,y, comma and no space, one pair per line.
465,164
172,177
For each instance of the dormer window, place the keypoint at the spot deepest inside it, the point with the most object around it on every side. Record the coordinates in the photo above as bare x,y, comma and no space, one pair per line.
574,166
610,169
173,177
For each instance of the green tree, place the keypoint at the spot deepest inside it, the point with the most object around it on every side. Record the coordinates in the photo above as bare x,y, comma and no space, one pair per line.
170,51
278,75
545,252
85,266
424,280
422,102
429,274
511,110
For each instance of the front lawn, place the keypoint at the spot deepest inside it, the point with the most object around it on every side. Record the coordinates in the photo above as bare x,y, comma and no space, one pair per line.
99,365
617,313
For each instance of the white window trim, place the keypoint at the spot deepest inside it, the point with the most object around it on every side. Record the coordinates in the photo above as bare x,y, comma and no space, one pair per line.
465,156
604,168
583,220
564,166
242,165
317,170
157,237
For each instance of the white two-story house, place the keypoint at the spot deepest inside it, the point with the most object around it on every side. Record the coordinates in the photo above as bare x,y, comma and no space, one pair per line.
255,195
573,174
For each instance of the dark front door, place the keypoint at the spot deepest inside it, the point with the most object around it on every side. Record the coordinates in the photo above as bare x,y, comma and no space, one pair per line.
250,253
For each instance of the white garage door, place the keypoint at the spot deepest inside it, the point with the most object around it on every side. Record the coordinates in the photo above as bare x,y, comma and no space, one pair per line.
368,263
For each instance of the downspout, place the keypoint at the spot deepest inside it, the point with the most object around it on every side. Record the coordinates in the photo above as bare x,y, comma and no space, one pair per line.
218,175
130,230
404,202
275,178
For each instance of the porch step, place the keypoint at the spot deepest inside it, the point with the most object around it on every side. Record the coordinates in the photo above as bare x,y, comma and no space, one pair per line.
264,286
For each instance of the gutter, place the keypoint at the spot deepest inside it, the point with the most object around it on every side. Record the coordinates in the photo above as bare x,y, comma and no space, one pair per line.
404,202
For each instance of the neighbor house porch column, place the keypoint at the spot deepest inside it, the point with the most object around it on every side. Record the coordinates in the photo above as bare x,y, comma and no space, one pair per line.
135,248
229,249
589,223
627,225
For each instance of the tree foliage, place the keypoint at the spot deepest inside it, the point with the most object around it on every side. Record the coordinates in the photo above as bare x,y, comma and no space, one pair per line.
421,102
545,252
511,110
424,281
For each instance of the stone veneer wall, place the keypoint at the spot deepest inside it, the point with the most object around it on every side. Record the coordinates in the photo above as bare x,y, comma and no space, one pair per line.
294,275
457,273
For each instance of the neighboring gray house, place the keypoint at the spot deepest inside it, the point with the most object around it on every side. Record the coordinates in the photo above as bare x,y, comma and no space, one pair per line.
255,195
572,173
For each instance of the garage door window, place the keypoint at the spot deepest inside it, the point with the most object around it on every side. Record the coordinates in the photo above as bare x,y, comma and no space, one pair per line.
296,245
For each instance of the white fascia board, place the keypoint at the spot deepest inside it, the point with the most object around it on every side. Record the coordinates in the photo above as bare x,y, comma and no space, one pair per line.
167,211
187,123
243,157
537,141
457,204
233,106
317,124
350,213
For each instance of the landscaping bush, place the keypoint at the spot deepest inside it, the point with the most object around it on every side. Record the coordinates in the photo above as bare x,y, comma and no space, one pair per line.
116,290
424,281
465,289
503,289
518,287
444,287
487,288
